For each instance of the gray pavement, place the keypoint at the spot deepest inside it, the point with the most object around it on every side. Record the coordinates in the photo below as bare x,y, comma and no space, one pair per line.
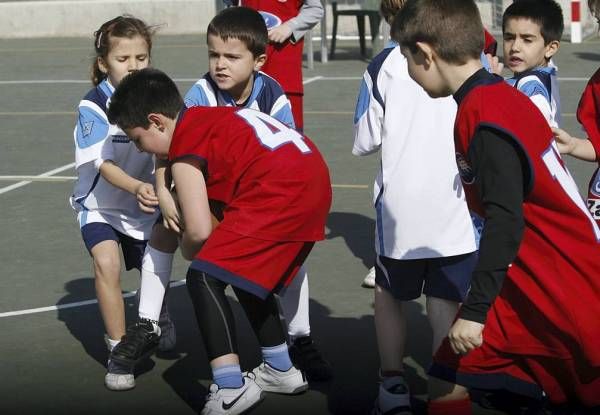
53,360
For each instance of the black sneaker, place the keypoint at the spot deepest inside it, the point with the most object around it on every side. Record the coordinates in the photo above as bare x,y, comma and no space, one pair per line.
139,342
306,357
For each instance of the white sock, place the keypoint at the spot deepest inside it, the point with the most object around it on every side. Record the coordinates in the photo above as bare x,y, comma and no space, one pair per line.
156,273
112,343
294,304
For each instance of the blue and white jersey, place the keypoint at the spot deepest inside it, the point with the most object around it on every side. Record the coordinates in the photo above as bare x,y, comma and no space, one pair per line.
96,141
418,196
267,96
541,86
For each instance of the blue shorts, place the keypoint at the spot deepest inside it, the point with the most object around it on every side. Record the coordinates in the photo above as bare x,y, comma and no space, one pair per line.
447,278
133,249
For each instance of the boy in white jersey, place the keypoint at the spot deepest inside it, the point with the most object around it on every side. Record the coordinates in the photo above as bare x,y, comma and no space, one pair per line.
424,235
531,30
236,40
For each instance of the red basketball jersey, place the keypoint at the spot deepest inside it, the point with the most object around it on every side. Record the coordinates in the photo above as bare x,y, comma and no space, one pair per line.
284,61
588,114
550,300
273,181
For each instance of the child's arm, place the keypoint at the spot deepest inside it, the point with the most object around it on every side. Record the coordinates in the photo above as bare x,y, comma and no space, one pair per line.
167,202
294,29
368,119
193,199
499,178
576,147
144,192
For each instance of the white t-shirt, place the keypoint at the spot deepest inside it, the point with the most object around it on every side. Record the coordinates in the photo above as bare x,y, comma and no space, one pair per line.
96,141
418,196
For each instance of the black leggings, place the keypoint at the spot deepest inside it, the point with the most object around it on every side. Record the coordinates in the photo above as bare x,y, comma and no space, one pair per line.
215,316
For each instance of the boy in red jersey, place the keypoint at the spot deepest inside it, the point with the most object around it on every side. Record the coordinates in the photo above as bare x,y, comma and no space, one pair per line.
529,324
275,189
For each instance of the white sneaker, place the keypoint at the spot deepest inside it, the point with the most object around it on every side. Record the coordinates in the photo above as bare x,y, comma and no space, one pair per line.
369,281
290,382
393,400
118,377
232,401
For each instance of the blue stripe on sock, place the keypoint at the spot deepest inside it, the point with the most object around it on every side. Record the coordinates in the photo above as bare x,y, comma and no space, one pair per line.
229,376
277,357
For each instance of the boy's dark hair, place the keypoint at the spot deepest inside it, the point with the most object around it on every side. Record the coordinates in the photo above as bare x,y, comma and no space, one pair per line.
594,6
141,93
125,26
546,13
241,23
453,28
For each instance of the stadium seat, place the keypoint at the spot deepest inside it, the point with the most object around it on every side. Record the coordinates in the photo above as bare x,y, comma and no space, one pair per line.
360,13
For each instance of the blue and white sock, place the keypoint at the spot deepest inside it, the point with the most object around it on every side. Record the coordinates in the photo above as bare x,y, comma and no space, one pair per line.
277,357
229,376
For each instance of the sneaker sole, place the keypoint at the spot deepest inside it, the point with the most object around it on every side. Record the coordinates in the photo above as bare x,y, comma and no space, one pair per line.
119,387
296,391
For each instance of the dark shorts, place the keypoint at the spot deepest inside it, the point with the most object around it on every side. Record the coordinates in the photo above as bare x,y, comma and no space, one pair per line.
447,278
133,249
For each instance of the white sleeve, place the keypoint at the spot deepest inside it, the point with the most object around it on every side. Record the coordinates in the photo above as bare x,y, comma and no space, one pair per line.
368,120
311,13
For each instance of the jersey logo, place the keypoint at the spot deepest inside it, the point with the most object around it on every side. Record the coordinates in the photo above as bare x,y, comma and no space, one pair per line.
465,171
227,406
87,128
595,187
271,20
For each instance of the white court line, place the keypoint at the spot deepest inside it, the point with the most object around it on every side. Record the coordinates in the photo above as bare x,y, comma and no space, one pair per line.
38,178
313,79
87,81
25,183
305,82
72,305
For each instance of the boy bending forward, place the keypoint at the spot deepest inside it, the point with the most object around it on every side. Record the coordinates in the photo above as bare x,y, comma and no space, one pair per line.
275,187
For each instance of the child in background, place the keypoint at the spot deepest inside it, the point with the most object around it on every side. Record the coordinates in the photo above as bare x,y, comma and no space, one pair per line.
529,324
237,38
266,231
588,114
422,247
531,30
114,194
288,21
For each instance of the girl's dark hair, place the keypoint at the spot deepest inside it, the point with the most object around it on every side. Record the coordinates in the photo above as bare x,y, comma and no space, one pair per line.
241,23
125,26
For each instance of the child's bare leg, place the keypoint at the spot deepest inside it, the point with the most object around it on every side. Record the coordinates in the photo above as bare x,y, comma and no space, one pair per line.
107,271
390,326
441,314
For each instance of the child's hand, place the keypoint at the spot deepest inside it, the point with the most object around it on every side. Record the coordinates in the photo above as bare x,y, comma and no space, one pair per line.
565,143
465,335
495,65
169,207
280,33
147,200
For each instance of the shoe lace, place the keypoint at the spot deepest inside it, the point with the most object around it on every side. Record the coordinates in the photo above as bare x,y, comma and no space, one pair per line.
135,338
